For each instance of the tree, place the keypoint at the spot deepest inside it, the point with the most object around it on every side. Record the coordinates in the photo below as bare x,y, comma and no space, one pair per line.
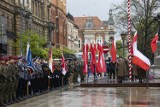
36,44
142,12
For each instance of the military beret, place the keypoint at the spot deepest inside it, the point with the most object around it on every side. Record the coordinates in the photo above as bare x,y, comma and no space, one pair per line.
4,58
13,57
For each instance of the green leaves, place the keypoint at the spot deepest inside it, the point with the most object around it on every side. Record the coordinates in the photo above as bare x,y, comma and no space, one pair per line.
37,43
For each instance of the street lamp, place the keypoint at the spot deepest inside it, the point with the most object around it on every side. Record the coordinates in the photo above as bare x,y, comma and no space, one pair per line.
157,18
123,36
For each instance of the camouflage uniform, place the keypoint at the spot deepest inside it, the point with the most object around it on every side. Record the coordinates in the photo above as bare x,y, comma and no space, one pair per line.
70,74
13,68
3,81
75,72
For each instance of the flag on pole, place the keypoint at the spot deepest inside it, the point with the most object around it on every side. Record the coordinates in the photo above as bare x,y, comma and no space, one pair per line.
154,43
85,58
50,60
138,58
63,66
29,59
113,51
29,56
93,57
101,61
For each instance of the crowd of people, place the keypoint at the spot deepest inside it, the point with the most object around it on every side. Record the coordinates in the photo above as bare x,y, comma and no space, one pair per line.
119,71
19,81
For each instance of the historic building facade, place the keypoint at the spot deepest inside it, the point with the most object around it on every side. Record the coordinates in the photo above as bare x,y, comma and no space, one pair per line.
7,26
93,30
72,34
17,16
45,17
58,18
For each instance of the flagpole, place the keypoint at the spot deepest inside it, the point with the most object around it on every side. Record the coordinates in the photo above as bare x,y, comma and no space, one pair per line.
62,81
147,78
129,43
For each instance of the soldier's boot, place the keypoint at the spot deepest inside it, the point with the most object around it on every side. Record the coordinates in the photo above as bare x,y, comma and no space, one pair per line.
6,102
11,100
1,103
15,99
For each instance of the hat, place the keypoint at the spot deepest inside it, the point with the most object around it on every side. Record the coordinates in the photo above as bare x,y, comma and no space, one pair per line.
4,58
13,57
24,59
34,59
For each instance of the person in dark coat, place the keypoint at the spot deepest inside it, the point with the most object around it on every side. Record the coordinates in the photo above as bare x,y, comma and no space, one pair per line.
112,71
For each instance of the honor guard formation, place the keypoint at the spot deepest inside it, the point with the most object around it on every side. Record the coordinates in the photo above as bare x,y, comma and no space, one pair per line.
19,81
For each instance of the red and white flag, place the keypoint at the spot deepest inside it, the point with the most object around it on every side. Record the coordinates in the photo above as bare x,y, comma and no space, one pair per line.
50,60
101,66
85,58
63,66
113,51
138,58
154,43
93,57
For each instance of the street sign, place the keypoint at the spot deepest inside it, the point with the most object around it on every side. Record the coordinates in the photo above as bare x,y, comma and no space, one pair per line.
105,49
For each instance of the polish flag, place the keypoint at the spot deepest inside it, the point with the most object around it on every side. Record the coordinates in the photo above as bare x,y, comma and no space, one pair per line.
93,57
63,66
85,58
113,51
50,60
153,43
138,58
101,61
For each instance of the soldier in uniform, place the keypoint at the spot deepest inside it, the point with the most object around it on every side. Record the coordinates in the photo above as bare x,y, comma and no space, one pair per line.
70,73
3,81
65,78
56,74
39,71
36,77
45,69
21,89
75,72
15,77
82,75
8,86
59,75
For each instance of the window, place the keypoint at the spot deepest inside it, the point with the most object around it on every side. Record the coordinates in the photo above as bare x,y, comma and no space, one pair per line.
89,25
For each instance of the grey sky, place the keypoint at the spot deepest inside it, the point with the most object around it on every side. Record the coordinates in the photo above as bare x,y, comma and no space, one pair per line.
98,8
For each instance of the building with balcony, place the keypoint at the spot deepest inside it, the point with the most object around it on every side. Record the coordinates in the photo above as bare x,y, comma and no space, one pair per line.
72,34
45,17
17,16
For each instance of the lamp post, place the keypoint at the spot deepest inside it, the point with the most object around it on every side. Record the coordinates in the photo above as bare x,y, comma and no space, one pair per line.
123,36
158,19
21,29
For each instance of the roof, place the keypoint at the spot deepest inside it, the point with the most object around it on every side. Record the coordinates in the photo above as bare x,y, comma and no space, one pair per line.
110,21
81,22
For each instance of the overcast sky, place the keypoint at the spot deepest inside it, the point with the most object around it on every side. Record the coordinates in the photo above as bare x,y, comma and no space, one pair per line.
98,8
